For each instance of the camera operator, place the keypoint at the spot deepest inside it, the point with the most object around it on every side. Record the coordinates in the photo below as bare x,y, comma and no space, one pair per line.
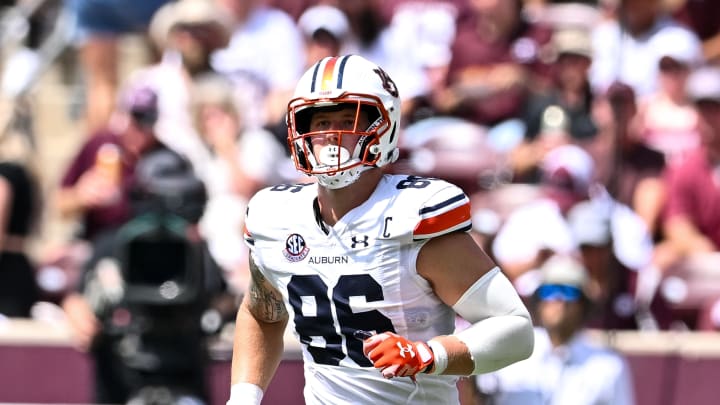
143,309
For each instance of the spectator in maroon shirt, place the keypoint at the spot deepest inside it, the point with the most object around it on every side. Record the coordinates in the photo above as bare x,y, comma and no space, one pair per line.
634,174
95,187
496,57
691,220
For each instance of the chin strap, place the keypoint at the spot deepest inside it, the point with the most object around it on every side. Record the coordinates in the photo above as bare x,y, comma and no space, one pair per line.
341,179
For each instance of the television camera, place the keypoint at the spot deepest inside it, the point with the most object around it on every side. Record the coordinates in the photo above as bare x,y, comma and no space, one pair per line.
152,282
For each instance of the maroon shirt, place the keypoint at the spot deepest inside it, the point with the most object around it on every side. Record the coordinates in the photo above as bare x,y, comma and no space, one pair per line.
701,16
524,48
694,192
98,219
636,164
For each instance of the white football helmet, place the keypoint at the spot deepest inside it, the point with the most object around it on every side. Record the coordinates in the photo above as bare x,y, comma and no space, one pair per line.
342,81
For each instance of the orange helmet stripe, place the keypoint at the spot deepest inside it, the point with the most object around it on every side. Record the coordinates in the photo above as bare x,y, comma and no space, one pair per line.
327,77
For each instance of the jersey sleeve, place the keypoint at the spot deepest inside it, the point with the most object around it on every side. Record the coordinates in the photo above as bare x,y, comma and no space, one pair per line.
267,211
247,236
446,211
253,213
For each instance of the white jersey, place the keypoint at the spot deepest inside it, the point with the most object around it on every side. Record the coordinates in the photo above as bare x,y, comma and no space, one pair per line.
358,275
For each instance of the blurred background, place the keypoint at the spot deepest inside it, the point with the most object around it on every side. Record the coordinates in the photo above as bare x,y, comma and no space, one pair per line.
133,133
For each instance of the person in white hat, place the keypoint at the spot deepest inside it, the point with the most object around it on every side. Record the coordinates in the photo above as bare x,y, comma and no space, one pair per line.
185,33
325,29
541,226
628,47
324,17
566,367
666,120
573,212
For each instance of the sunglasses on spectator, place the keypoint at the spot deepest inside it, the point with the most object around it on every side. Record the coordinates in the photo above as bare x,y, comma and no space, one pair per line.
559,292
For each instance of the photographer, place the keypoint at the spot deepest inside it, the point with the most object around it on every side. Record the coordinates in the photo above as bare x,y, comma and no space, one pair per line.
143,309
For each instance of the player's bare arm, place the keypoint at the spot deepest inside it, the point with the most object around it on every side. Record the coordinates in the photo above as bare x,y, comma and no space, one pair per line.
452,263
258,343
465,278
264,301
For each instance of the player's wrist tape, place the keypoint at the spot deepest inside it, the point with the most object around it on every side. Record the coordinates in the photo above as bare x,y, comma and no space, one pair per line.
245,394
440,355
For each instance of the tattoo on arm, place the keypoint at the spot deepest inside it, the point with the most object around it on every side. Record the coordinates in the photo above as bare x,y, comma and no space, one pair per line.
266,302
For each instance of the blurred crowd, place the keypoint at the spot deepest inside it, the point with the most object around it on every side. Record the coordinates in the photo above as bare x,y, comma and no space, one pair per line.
588,129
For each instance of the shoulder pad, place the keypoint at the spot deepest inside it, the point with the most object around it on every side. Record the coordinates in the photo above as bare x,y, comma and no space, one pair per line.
267,205
439,207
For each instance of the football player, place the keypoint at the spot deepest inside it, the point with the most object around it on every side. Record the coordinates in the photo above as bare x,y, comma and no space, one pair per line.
371,269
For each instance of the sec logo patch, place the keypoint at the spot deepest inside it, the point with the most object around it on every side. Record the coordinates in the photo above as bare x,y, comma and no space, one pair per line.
295,248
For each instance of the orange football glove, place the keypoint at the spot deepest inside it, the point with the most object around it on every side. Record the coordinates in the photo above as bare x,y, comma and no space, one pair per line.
397,356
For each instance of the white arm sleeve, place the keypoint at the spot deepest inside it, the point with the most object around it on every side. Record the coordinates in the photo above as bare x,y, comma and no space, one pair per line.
501,332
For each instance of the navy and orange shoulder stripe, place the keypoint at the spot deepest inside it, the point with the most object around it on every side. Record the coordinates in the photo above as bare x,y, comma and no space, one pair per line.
447,216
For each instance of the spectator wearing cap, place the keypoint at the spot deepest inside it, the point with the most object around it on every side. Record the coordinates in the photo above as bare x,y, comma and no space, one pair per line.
562,113
324,29
559,221
532,231
96,190
95,186
185,33
666,119
573,57
628,47
567,366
